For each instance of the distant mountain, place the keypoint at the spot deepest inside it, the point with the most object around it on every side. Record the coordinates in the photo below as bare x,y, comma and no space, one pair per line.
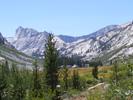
106,44
67,39
31,42
100,32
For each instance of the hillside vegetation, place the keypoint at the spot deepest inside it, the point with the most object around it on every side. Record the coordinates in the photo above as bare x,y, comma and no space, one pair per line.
12,55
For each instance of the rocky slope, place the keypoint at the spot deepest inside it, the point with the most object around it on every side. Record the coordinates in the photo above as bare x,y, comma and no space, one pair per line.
107,43
8,52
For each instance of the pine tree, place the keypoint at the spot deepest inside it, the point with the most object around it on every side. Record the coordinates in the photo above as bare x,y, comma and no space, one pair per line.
65,77
95,72
115,72
51,63
3,84
4,81
95,65
130,69
7,70
17,83
36,83
76,80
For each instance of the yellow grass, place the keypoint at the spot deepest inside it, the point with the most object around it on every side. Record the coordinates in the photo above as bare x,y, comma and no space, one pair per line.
84,71
81,71
88,71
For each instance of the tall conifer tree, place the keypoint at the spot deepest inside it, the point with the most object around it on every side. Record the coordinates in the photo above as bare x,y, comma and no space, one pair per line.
36,83
51,63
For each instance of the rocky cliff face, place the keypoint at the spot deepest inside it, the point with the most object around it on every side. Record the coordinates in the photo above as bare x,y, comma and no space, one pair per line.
32,42
109,42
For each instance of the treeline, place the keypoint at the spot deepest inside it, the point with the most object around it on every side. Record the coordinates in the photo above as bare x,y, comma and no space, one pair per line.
73,60
14,82
23,84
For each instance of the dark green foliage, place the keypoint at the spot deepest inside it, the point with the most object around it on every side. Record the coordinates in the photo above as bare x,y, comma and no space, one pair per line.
95,72
95,63
51,63
36,80
65,77
74,59
11,83
130,69
6,67
3,83
76,80
115,72
17,84
121,85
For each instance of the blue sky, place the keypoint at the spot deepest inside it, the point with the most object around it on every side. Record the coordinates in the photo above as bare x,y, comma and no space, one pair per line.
68,17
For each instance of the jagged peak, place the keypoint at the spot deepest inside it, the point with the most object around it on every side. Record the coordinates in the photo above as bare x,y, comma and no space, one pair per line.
20,29
24,32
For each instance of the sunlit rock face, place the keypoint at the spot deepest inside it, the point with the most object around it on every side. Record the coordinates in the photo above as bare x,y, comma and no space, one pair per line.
113,40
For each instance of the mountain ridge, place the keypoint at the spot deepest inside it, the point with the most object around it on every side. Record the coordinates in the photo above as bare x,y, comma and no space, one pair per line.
90,46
